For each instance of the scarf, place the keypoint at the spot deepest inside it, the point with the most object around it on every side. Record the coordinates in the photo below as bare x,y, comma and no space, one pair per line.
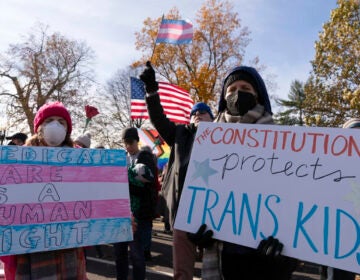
255,115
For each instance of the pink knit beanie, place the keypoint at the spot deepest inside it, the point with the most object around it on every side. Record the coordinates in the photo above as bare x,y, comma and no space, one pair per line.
49,110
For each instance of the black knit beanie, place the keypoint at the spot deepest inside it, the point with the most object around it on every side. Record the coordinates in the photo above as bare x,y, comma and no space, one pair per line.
244,76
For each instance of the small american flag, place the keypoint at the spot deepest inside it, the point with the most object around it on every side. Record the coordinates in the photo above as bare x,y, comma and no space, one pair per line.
175,101
175,31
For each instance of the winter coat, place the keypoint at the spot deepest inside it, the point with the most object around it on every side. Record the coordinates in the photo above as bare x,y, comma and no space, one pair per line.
180,138
144,196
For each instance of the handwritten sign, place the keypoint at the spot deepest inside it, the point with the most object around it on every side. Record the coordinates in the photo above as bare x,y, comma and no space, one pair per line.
56,198
300,184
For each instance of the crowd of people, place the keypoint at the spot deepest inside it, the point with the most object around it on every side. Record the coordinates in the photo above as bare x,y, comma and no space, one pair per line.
243,99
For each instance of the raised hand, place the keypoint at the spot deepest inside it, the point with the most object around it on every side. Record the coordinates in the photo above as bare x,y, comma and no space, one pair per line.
148,77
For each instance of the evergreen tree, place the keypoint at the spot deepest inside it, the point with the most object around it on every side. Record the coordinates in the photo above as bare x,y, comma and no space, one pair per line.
294,113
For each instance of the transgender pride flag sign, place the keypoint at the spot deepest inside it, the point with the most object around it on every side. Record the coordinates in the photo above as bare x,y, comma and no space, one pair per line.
175,31
56,198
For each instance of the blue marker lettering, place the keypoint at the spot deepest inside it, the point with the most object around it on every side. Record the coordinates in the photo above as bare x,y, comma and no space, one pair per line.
207,208
195,189
326,230
230,209
337,241
267,206
299,226
253,222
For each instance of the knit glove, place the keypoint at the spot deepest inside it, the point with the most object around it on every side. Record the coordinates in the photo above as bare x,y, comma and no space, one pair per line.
148,77
276,265
270,247
202,238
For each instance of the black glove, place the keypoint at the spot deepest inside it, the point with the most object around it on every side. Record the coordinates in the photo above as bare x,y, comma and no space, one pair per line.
270,247
148,77
276,265
202,238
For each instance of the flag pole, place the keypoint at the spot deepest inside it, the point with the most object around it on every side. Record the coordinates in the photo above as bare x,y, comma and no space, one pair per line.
130,91
152,54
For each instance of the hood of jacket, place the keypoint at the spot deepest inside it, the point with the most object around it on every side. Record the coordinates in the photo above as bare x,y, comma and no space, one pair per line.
260,87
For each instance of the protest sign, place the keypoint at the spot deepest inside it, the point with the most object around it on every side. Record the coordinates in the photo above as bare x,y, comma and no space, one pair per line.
299,184
56,198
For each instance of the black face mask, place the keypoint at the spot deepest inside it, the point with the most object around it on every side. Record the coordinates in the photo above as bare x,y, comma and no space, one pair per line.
240,103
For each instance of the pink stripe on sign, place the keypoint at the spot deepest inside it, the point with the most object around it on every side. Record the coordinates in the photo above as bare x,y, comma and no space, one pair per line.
52,212
27,174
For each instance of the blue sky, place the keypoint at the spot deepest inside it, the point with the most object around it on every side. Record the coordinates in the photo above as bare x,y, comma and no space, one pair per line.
283,32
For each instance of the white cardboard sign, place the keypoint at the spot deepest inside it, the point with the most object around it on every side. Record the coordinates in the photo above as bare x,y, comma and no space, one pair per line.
299,184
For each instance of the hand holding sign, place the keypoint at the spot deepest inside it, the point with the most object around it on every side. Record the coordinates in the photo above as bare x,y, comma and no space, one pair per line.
270,247
202,238
270,250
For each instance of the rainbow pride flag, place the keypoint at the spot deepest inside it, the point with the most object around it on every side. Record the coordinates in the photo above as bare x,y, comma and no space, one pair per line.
149,138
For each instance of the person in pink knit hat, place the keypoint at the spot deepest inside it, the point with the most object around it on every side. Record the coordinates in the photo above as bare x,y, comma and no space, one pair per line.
52,126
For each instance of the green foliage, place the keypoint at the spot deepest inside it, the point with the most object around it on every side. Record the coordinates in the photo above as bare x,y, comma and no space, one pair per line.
218,44
333,90
293,115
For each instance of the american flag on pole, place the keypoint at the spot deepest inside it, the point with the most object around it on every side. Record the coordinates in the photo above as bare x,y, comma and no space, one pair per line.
175,31
175,101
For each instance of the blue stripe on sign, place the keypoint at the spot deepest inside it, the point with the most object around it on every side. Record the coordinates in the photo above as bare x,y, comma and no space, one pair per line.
62,156
47,237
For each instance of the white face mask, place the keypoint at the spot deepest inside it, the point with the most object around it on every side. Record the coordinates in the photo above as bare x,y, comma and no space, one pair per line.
54,133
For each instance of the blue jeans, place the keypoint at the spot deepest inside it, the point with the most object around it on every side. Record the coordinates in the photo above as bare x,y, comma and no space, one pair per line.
136,254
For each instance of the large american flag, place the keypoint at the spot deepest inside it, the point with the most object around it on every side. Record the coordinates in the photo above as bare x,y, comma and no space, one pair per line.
175,31
175,101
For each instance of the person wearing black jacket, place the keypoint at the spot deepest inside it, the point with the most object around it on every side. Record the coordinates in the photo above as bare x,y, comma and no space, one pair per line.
142,206
180,138
244,99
